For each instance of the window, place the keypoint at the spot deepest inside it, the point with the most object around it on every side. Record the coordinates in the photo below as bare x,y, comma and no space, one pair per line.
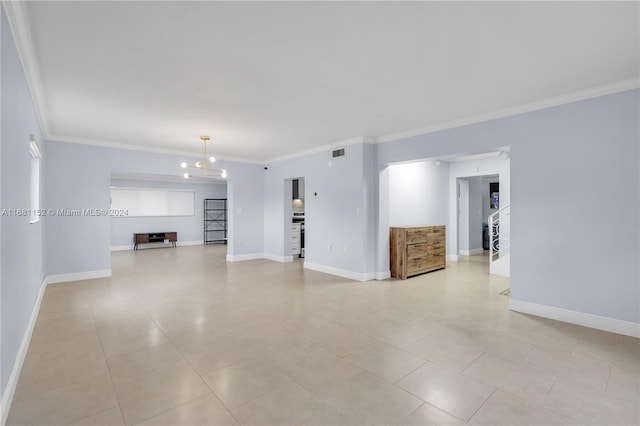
35,179
128,202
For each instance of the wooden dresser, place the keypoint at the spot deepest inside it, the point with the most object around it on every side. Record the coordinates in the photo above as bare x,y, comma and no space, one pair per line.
417,249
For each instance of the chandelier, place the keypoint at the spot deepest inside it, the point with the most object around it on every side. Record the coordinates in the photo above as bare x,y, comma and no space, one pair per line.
202,165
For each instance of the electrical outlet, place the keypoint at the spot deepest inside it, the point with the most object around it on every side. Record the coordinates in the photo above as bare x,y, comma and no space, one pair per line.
329,247
345,249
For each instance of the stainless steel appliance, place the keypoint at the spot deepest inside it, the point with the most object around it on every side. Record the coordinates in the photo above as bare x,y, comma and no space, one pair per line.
298,217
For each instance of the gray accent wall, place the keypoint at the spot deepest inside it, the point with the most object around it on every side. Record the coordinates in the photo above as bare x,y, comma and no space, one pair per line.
574,189
22,270
565,161
79,177
470,219
338,203
475,213
189,228
463,219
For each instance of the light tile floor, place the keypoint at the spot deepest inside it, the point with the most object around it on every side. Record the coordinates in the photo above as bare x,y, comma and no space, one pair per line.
180,337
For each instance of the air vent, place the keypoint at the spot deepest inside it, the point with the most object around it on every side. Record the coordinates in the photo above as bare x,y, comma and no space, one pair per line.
338,153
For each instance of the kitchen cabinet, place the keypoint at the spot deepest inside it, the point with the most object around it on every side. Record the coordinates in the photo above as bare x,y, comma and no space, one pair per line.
296,241
417,249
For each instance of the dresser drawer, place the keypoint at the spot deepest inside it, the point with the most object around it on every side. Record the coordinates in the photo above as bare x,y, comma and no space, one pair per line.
436,252
417,235
417,265
435,245
437,230
417,250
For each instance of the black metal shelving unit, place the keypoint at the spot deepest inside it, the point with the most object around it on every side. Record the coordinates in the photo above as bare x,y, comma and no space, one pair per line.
215,221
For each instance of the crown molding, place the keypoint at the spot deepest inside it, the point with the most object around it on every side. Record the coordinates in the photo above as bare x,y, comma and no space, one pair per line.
18,18
19,24
580,95
340,144
594,92
152,149
169,178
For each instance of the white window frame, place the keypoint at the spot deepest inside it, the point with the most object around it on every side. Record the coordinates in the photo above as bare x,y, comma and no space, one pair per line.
36,155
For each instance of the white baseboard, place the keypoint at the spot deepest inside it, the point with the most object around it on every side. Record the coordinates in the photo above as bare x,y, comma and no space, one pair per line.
156,245
472,252
358,276
122,248
281,259
385,275
612,325
77,276
242,257
452,258
190,243
12,383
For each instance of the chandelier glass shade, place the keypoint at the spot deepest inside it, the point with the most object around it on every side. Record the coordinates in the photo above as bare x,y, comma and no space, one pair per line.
203,166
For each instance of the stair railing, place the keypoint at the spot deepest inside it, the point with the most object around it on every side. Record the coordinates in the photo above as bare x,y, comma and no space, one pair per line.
499,231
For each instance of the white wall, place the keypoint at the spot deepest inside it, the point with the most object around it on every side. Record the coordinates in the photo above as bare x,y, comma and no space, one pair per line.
419,193
189,228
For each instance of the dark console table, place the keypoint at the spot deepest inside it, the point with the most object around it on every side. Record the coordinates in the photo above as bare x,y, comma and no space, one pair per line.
154,237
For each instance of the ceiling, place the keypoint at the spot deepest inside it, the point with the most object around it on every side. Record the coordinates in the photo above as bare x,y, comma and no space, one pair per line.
268,79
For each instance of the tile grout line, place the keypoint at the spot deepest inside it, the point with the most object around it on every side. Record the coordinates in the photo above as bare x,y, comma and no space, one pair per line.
606,387
230,410
527,354
549,392
481,405
426,361
177,406
216,395
73,382
96,414
551,410
483,353
417,408
108,369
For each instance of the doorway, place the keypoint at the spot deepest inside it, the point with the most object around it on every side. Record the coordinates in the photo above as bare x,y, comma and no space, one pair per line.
294,218
427,191
477,199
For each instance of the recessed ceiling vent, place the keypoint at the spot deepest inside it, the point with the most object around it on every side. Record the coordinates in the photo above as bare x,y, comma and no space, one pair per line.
338,153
